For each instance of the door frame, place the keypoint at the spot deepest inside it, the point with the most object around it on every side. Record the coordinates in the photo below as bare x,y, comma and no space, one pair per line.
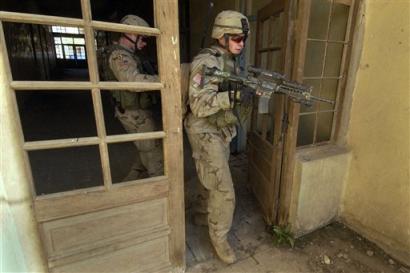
171,183
298,30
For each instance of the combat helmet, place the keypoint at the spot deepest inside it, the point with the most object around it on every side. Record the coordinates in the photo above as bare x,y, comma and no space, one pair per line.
230,22
134,20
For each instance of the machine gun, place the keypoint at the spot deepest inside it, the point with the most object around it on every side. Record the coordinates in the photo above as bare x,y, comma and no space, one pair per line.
265,83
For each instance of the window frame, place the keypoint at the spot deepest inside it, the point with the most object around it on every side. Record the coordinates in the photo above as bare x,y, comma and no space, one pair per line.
305,12
93,85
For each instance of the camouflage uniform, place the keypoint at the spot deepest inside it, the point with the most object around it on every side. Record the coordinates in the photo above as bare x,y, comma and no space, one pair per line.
134,108
210,126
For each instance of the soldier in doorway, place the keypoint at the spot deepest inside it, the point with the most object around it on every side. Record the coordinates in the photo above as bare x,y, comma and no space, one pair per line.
119,62
211,125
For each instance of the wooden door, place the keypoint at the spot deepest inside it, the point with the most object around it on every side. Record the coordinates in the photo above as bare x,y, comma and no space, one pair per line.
133,226
322,42
268,130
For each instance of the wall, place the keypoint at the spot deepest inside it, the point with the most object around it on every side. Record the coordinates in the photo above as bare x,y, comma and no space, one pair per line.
198,17
318,181
376,200
31,52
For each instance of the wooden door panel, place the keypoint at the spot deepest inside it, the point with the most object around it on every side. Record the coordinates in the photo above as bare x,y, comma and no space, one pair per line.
262,164
266,139
258,184
71,204
262,148
83,232
150,256
105,250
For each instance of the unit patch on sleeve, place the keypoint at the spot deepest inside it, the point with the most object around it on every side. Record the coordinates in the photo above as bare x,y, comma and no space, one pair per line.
197,80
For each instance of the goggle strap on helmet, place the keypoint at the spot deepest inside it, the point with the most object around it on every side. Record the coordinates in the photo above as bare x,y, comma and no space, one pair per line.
245,26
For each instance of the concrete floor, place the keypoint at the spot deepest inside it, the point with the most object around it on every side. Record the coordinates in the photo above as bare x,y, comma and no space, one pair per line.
334,248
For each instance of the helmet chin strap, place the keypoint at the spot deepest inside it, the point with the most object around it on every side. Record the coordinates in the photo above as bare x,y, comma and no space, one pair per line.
226,39
132,41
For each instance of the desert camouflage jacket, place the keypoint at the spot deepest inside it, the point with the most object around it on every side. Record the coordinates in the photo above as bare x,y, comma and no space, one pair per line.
210,110
120,64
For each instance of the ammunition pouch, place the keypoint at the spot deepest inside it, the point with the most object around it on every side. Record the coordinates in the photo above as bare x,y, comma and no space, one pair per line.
223,118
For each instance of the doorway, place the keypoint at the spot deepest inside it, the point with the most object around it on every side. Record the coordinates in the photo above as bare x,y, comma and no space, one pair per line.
248,232
293,39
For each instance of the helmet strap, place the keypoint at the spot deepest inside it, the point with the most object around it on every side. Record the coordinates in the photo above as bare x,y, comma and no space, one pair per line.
226,39
132,41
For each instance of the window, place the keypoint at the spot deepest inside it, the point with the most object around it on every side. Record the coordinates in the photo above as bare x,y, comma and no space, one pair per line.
69,43
70,30
326,48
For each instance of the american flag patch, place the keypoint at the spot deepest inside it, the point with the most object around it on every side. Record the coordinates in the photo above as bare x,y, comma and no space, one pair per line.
197,79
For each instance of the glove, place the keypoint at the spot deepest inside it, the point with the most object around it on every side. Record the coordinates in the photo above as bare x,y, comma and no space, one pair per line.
227,85
246,96
238,92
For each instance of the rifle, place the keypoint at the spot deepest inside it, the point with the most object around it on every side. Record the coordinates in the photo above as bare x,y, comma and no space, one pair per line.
265,83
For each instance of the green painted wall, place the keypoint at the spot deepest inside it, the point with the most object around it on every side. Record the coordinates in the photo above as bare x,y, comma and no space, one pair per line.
376,200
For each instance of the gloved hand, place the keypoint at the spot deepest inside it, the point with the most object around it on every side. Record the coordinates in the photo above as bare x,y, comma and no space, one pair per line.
246,96
226,85
238,92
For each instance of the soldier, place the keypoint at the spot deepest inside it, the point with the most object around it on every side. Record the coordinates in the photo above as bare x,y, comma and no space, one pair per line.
211,125
118,62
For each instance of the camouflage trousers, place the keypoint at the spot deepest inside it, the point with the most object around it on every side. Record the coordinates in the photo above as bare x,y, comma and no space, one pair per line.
216,192
150,156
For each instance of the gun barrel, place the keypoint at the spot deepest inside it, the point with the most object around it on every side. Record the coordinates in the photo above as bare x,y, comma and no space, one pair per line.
322,100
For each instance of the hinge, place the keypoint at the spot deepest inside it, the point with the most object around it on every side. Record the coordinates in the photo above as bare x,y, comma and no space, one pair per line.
285,123
284,129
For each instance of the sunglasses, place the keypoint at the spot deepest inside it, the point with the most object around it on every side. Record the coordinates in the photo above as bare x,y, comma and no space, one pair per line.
238,38
143,38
